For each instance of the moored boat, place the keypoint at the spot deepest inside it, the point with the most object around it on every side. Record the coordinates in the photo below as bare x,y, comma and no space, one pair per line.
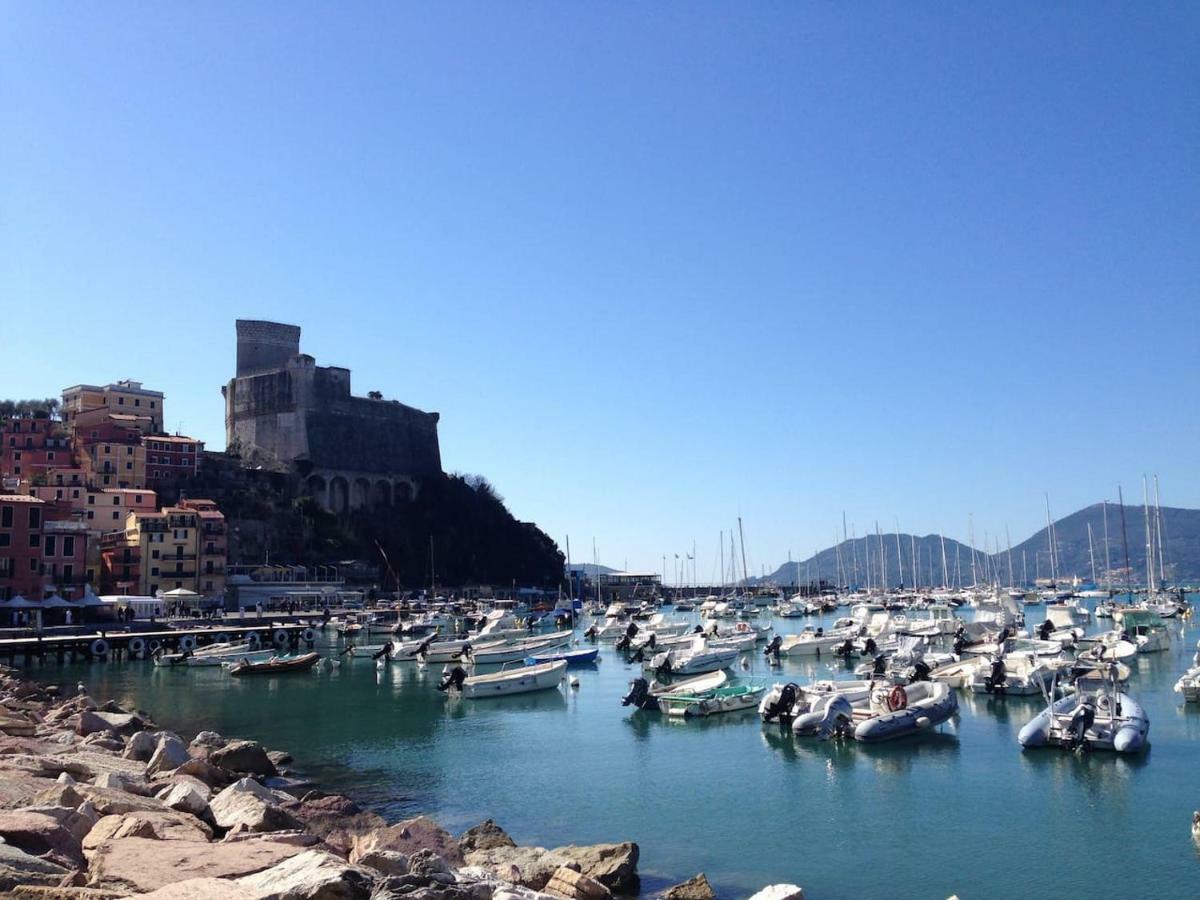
522,680
275,665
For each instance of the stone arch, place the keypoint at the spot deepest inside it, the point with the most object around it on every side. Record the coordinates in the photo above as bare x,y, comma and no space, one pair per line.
404,491
316,487
381,495
339,494
361,497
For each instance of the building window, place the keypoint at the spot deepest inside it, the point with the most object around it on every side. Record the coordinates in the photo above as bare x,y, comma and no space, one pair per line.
107,448
33,565
120,401
58,495
6,516
35,540
128,466
75,494
16,470
68,572
5,539
91,499
35,518
68,546
154,571
116,514
50,455
152,404
137,402
91,514
16,454
129,451
51,545
154,554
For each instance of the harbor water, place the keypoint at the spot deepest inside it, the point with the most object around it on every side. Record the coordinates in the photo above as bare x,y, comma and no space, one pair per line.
963,811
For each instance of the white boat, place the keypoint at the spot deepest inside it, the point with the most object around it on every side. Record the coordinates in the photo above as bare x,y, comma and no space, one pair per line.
230,657
645,694
692,660
515,651
1189,685
957,674
1097,716
739,642
810,642
523,680
1021,674
729,698
1144,628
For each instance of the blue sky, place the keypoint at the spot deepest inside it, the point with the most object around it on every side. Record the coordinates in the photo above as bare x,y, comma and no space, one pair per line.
657,265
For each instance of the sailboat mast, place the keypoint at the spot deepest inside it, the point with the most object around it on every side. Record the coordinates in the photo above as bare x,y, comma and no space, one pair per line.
1162,569
1107,559
742,540
1008,540
854,554
721,544
1149,539
1050,541
899,556
945,575
1091,553
1125,540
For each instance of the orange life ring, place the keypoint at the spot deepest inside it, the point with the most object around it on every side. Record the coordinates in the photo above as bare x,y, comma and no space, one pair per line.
898,698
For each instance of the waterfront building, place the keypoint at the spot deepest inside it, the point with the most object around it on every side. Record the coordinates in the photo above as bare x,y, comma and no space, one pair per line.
628,585
30,447
176,547
43,548
84,404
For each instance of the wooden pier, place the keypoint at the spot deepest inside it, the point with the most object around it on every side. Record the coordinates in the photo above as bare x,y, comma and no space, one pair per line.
106,645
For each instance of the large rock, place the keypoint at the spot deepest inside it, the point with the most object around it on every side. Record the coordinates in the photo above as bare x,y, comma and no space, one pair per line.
248,806
141,746
388,862
115,803
87,764
335,819
572,885
408,837
243,756
530,867
613,865
695,888
37,892
42,834
200,889
20,868
164,825
185,798
170,753
780,892
484,836
204,771
312,875
121,723
117,782
140,864
91,722
402,888
205,742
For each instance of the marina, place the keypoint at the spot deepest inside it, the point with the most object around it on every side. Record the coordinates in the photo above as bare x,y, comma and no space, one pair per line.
369,719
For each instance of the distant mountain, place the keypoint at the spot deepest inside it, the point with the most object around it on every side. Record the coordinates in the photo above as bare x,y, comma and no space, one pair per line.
847,562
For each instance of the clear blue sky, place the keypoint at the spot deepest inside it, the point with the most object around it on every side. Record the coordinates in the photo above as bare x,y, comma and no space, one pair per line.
655,264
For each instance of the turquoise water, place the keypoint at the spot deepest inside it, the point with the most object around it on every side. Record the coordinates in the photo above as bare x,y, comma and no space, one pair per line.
962,811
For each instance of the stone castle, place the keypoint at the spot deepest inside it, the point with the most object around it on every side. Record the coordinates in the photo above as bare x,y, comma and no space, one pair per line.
347,452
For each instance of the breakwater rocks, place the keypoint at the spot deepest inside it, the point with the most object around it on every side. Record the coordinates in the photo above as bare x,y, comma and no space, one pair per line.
97,802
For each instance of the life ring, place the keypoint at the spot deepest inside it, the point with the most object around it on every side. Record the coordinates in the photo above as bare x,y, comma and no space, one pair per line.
253,639
155,645
187,643
280,637
98,647
308,635
897,698
137,645
742,628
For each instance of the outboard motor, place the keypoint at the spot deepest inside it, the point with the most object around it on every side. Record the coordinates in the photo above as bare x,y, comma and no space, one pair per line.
639,655
879,667
838,718
1081,721
639,694
714,630
1004,635
1045,630
846,649
919,672
772,649
622,643
632,630
870,647
591,633
994,683
781,707
652,641
384,651
453,679
960,644
698,630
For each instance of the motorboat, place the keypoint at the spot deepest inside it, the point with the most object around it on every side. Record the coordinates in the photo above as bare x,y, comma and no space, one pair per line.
1096,716
1189,683
896,711
1021,674
695,659
809,642
580,656
793,702
229,657
433,649
1145,628
506,682
731,697
275,665
645,695
515,651
957,674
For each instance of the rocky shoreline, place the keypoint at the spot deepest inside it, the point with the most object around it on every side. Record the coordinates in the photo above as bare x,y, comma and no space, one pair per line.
97,802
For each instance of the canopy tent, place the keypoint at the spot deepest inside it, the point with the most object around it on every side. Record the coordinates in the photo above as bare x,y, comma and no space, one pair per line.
90,599
19,602
181,594
56,602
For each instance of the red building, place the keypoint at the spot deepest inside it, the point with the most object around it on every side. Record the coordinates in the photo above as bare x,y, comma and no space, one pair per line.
31,446
171,457
43,548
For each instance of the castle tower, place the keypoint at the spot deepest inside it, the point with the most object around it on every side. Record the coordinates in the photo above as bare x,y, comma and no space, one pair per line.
262,346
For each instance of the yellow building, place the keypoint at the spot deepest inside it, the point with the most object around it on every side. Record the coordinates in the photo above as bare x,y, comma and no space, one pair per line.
116,464
101,511
127,397
176,547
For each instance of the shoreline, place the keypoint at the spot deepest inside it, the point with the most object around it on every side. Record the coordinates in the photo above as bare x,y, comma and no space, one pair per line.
99,802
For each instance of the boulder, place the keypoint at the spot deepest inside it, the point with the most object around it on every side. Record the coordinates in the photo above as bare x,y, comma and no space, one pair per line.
90,723
37,892
613,865
164,825
695,888
388,862
163,785
87,763
574,885
204,771
42,834
57,794
205,742
141,746
312,875
118,721
115,803
402,888
170,753
780,892
185,798
137,864
249,806
484,836
18,790
117,782
243,756
408,837
20,868
295,838
197,888
279,757
530,867
77,821
335,819
103,740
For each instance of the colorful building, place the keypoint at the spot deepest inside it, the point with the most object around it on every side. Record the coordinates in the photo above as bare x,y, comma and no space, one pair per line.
177,547
43,548
30,447
171,457
127,397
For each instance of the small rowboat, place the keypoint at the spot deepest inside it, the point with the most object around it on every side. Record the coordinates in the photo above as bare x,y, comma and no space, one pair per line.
510,681
275,665
729,698
578,657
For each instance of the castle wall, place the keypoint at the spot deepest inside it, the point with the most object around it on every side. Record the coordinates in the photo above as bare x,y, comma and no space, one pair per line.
265,345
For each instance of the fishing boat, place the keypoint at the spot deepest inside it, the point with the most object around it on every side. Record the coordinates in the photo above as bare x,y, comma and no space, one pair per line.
728,698
1097,716
505,683
790,702
580,656
275,665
